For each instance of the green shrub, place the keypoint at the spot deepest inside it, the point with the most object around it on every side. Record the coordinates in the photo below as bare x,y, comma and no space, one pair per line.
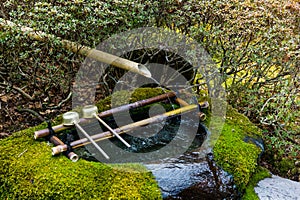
256,47
43,70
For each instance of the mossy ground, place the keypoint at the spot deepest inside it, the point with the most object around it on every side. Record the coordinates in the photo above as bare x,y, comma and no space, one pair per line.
35,174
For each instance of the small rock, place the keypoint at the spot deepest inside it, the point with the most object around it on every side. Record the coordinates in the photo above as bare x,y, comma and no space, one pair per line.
277,188
193,180
195,153
3,135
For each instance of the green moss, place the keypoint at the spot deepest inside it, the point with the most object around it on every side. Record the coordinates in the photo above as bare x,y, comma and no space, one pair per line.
29,171
232,153
260,174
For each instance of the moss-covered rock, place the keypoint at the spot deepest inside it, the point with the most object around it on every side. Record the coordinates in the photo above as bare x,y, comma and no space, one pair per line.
28,171
237,149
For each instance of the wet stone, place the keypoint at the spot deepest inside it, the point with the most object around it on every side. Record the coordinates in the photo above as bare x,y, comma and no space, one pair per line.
188,178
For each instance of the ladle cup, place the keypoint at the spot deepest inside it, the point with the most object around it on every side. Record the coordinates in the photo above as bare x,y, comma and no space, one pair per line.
90,111
72,118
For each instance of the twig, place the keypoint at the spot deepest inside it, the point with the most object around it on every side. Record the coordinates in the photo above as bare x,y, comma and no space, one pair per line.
11,119
273,97
22,153
19,90
2,11
32,112
62,102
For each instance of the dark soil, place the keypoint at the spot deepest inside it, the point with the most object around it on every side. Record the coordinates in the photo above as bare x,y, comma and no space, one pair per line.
18,113
14,117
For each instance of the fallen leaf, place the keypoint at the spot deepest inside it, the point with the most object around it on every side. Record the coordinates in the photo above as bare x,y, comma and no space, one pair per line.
4,98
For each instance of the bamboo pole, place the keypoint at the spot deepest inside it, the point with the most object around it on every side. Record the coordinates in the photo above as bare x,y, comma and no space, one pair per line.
124,129
82,50
56,141
112,131
91,140
61,127
201,115
58,128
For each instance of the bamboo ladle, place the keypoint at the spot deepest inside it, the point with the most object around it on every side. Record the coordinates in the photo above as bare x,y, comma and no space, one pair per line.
72,118
91,111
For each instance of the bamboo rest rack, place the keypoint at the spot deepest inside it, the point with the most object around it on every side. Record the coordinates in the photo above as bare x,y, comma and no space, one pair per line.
60,147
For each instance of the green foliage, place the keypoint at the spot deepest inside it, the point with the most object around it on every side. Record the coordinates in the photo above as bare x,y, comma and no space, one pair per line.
28,171
281,124
232,153
285,165
254,43
86,22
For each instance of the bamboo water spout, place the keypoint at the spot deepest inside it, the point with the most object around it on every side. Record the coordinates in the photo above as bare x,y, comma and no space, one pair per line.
82,50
